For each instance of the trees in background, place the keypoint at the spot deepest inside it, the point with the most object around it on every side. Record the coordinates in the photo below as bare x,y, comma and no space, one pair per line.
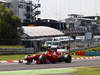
10,25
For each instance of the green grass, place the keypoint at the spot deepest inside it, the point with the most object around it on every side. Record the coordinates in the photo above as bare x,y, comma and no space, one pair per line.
88,71
15,57
39,71
11,46
12,57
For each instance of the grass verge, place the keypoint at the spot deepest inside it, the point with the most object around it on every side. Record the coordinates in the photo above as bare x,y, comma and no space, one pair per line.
39,71
12,46
12,57
88,71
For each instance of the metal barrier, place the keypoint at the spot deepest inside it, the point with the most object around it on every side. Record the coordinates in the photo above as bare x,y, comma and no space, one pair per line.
17,50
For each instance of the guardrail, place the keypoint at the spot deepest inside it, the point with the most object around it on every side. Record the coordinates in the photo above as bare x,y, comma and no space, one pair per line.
17,50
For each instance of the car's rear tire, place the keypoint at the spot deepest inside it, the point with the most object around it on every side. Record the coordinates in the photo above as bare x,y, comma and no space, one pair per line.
68,58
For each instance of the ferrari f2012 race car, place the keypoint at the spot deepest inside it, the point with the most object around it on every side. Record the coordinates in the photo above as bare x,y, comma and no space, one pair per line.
50,56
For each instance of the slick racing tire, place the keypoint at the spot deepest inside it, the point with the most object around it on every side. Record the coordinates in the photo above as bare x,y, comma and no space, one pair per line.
28,63
67,58
20,61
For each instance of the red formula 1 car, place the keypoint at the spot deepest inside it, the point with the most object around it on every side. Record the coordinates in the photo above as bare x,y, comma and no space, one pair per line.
50,56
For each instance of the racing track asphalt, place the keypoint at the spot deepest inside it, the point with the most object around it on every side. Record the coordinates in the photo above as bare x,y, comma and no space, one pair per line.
78,63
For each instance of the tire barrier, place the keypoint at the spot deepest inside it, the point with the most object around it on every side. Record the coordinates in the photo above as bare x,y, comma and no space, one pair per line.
96,53
81,53
90,53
